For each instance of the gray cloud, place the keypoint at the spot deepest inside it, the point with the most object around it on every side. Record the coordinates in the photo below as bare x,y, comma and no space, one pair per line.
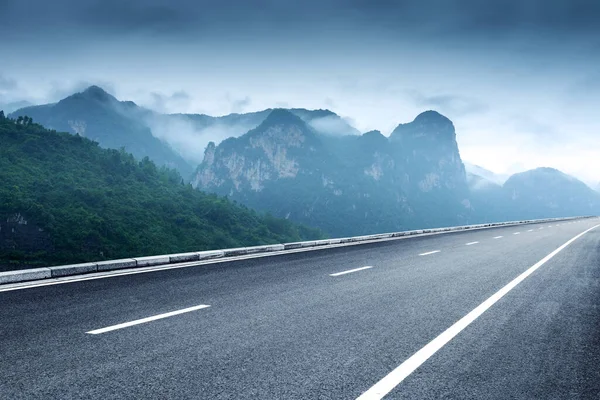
545,134
460,17
239,105
189,138
158,17
7,83
452,104
176,102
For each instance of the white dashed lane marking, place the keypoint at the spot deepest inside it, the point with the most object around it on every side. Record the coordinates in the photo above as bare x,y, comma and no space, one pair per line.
351,271
144,320
429,252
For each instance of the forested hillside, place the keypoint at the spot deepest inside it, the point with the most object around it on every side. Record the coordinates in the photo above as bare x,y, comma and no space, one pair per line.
99,116
63,199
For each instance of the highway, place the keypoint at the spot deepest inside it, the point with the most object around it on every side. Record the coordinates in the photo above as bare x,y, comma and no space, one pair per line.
339,323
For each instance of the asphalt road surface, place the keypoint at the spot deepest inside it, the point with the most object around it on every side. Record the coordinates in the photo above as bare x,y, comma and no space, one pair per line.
370,320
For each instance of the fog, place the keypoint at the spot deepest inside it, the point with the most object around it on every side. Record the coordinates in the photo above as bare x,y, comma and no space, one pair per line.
518,78
188,138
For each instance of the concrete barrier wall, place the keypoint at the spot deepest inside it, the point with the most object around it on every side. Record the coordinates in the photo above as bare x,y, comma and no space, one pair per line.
140,262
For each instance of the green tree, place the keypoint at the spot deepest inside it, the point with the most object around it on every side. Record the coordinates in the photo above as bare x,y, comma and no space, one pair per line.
93,204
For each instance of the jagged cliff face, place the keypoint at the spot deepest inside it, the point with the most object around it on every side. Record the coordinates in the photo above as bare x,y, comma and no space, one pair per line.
280,148
345,185
430,152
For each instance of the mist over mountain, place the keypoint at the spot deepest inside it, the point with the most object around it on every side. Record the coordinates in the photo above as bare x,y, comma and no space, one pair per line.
175,140
97,115
345,185
485,173
314,167
348,185
547,192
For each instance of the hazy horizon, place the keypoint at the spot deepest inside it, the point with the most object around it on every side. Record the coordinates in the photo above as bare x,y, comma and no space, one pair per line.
517,78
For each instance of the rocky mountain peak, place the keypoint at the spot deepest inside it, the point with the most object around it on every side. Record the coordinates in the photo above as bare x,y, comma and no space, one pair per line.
374,137
97,93
280,116
209,153
429,125
432,117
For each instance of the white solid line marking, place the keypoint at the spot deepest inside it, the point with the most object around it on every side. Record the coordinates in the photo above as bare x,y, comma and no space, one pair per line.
517,233
498,237
144,320
429,252
350,271
471,243
394,378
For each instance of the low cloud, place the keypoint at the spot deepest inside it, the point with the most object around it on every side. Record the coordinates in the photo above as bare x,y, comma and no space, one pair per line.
7,84
173,103
190,137
454,105
329,102
333,125
543,133
238,105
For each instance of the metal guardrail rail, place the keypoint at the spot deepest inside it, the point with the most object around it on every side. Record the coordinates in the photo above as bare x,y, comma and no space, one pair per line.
168,259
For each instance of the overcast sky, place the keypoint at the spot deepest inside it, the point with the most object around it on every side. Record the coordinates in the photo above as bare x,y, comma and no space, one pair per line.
519,78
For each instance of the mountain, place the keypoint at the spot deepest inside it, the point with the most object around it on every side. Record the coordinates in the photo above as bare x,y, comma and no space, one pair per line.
63,199
175,140
430,159
486,174
489,201
547,192
114,124
323,121
189,134
348,184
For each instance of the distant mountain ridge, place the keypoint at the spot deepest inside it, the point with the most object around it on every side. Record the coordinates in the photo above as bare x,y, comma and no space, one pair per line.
498,179
344,184
313,167
548,192
99,116
349,185
174,140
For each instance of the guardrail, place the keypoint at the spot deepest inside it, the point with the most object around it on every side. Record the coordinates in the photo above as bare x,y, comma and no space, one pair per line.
139,262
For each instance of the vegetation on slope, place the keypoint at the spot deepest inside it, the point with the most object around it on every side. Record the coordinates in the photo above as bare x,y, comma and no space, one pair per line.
95,204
